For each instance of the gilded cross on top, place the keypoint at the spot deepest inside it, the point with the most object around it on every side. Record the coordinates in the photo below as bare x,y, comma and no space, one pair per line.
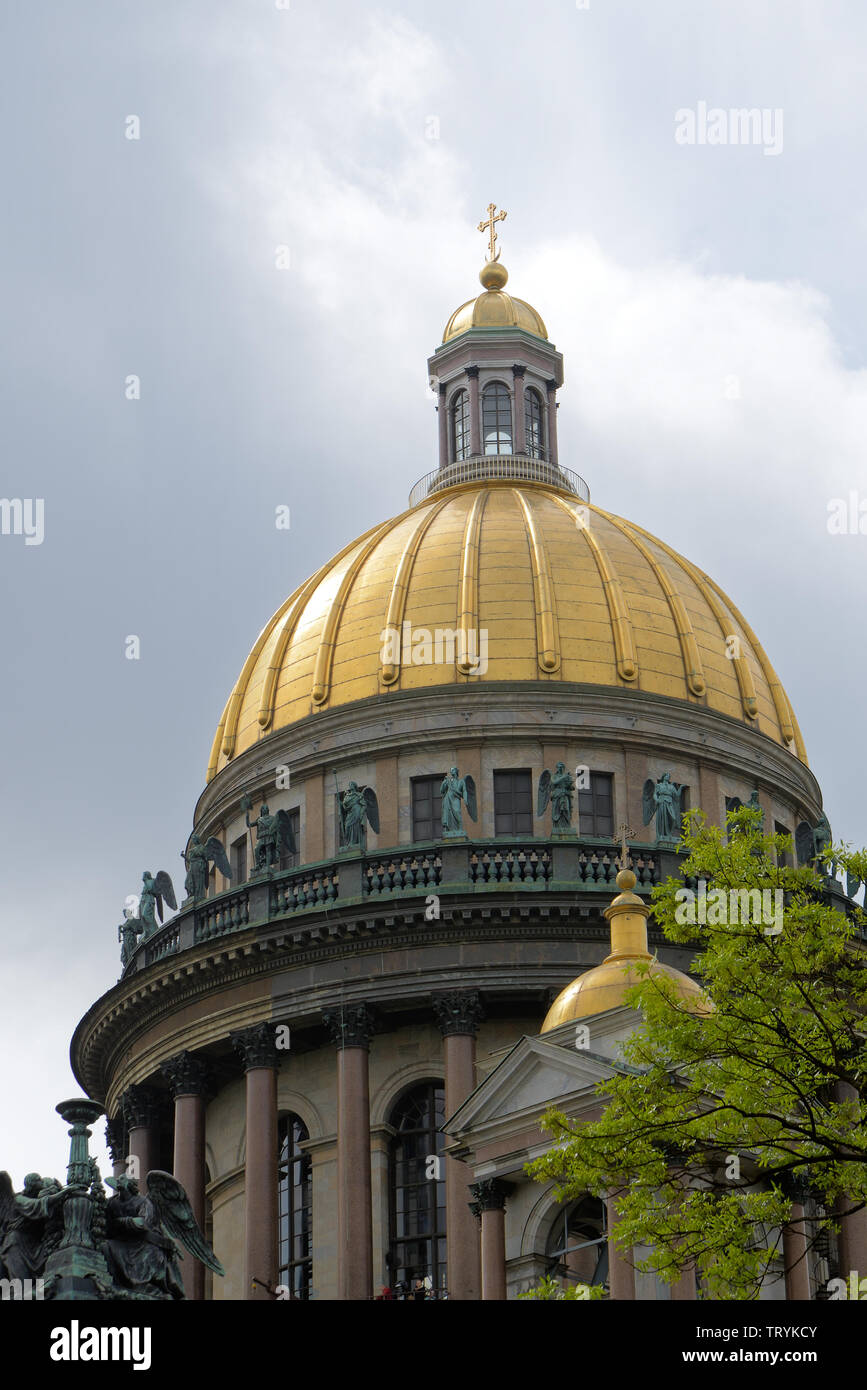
489,227
625,833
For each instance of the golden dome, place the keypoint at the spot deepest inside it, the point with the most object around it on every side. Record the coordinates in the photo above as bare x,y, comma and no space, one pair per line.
494,308
602,603
605,986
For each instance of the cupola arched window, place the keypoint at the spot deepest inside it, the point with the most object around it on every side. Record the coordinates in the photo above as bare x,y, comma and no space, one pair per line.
461,426
497,419
417,1250
295,1208
533,425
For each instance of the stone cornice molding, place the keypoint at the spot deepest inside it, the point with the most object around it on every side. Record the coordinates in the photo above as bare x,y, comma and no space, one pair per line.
131,1010
592,715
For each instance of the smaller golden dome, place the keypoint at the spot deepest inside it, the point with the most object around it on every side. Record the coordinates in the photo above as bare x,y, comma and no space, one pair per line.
494,308
605,986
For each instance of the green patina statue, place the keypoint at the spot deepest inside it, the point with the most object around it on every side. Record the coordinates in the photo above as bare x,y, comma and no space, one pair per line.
128,934
558,787
664,799
198,859
454,790
150,904
141,1232
274,834
357,808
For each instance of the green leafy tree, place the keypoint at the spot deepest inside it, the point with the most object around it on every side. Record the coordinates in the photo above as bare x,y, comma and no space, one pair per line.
717,1122
550,1289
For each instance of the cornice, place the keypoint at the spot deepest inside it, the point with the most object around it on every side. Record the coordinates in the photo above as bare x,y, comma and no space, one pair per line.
108,1033
453,714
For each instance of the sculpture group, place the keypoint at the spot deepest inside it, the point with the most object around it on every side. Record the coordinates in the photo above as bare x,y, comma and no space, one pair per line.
69,1242
155,892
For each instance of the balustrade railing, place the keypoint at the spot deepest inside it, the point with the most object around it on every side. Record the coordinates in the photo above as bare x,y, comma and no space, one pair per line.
515,467
474,866
402,872
227,912
513,865
304,888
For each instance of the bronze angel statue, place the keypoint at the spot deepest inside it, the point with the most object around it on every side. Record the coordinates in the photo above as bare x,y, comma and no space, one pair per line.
198,859
665,799
454,790
141,1233
274,834
357,807
558,787
154,892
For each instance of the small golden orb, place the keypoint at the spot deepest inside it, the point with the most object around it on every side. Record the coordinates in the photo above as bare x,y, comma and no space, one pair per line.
493,275
626,880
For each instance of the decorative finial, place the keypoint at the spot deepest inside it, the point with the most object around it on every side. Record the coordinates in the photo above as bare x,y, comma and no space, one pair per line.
626,879
493,273
489,227
624,833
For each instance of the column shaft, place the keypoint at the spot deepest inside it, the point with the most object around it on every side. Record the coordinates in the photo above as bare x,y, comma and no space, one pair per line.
462,1231
475,416
621,1276
443,426
144,1146
189,1169
260,1183
795,1255
354,1218
519,432
493,1254
553,451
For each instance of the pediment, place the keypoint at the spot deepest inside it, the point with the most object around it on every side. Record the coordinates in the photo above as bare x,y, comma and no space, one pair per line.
531,1077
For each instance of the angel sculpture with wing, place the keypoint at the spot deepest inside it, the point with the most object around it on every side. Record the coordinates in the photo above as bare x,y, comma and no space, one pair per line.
664,798
198,859
141,1234
358,807
558,787
153,892
274,834
453,790
28,1225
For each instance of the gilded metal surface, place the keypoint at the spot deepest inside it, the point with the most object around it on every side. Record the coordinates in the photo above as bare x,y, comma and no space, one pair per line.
468,619
605,986
489,225
390,670
557,601
548,628
621,623
494,308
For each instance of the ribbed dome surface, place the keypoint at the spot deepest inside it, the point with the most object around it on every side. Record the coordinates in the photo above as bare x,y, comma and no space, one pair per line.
603,603
495,309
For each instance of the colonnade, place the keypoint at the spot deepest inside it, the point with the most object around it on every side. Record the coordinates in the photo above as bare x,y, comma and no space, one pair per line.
475,1212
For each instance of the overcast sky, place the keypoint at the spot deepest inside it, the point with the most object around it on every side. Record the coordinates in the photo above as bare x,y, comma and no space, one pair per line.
710,300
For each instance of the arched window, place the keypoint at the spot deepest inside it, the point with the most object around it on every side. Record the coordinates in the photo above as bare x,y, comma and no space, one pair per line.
533,428
418,1189
578,1245
461,426
295,1205
497,419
